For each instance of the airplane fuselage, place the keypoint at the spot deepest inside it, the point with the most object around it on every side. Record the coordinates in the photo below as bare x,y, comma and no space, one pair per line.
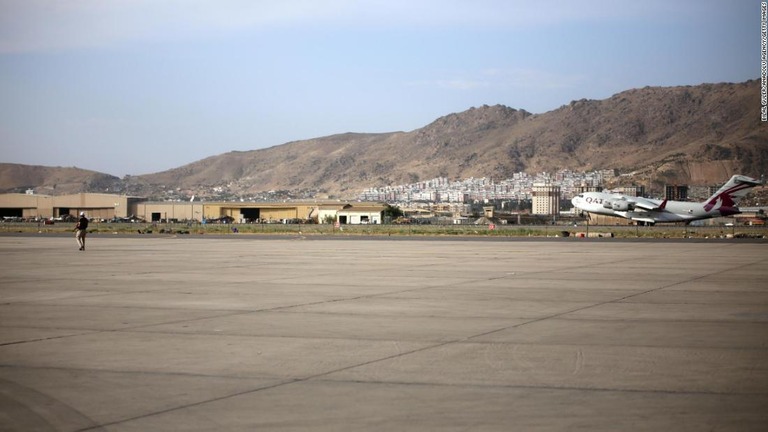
671,211
723,203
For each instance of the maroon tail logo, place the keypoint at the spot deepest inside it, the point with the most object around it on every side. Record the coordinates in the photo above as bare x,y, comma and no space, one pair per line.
724,201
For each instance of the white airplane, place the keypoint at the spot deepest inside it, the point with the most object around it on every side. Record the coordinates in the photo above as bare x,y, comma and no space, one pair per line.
723,203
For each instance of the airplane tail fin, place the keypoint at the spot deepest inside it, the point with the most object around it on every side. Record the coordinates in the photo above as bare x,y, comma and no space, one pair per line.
732,192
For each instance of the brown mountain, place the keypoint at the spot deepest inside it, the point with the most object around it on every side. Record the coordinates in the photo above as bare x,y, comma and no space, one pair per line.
17,178
692,134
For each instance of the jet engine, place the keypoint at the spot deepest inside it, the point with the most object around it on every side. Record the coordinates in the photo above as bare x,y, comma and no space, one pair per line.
618,205
621,206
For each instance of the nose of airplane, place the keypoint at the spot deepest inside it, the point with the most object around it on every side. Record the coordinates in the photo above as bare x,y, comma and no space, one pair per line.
576,201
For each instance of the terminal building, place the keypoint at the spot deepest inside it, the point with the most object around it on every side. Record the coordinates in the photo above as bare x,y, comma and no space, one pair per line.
109,206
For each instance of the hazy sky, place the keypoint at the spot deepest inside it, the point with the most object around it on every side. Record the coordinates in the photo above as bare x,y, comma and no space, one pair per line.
141,86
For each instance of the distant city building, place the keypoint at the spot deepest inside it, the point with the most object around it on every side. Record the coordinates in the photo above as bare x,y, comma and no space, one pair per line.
701,193
518,187
588,188
637,191
676,192
546,199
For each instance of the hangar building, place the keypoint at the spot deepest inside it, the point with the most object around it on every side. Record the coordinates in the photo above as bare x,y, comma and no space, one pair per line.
34,206
109,206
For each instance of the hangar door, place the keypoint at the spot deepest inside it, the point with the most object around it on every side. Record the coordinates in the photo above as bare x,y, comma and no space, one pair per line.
250,214
11,212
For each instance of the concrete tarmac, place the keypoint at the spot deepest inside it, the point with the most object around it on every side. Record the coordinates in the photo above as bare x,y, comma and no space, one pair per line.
199,334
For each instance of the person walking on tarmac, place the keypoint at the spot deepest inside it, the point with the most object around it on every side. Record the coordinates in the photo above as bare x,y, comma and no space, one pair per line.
81,229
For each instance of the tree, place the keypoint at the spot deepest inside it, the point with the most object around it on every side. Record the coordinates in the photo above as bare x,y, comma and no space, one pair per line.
392,212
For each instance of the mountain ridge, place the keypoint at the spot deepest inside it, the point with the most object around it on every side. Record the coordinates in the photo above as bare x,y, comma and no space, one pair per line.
685,134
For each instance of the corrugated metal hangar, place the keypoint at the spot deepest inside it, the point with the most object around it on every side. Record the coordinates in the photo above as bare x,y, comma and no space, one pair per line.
109,206
34,206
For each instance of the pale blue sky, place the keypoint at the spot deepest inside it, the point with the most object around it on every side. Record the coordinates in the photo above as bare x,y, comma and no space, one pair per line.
141,86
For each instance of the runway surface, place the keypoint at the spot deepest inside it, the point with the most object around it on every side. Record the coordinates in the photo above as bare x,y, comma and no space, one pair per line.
199,334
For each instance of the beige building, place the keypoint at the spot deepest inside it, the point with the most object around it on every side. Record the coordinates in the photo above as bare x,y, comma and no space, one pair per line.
329,212
108,206
360,214
546,199
238,212
352,214
598,219
98,206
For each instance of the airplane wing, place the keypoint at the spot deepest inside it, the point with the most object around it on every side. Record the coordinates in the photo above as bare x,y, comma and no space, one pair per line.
648,205
637,217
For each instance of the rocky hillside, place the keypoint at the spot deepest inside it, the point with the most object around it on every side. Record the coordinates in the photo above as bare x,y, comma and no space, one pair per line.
697,134
693,134
17,178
